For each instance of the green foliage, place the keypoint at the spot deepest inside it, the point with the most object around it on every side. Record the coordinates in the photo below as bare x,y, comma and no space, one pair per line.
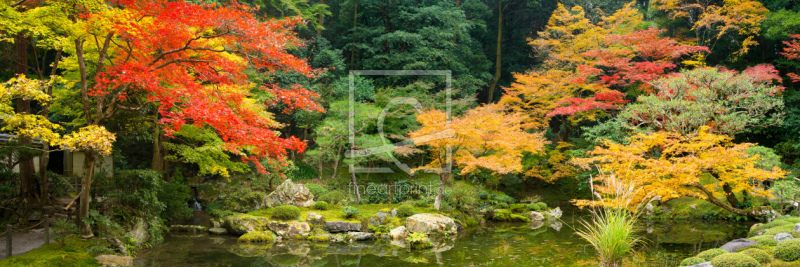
612,234
504,215
539,206
734,260
174,196
349,211
692,261
321,205
711,253
60,229
58,185
788,250
100,250
421,203
202,146
419,240
259,236
316,190
405,210
502,205
765,240
519,207
285,212
759,255
333,197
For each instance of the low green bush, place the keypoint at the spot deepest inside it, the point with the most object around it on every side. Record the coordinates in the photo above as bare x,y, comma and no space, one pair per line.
519,207
734,260
321,205
316,190
692,261
421,203
788,250
349,211
760,255
333,197
502,205
405,210
286,212
765,240
711,253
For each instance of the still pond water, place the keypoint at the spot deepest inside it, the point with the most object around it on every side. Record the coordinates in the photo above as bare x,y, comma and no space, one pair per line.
551,244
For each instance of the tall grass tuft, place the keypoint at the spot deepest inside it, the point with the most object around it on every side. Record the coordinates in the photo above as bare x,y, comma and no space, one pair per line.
611,228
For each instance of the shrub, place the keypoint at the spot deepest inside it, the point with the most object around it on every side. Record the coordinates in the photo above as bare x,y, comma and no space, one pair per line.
788,250
765,240
502,205
541,206
405,210
711,253
734,260
421,203
333,197
286,212
321,205
611,233
760,256
61,229
316,189
692,261
349,211
519,207
259,236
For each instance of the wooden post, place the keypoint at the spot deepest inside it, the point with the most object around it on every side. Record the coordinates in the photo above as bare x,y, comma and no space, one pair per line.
9,229
47,229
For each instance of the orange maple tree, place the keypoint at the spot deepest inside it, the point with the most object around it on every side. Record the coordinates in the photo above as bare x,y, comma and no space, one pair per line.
669,165
486,138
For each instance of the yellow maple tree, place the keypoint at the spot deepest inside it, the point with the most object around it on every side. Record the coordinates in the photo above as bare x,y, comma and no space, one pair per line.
486,138
668,165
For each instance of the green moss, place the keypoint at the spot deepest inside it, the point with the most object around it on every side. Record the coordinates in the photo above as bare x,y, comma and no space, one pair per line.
503,215
405,210
319,238
765,240
788,250
321,205
760,255
734,260
692,261
711,253
74,253
334,213
259,236
782,221
285,212
518,207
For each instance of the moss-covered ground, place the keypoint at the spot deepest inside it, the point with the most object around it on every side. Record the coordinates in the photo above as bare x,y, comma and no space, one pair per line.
74,253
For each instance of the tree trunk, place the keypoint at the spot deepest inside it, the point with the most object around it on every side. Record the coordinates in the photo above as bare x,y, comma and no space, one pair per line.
355,185
355,23
44,160
730,196
755,213
27,170
89,160
321,20
499,54
438,202
158,160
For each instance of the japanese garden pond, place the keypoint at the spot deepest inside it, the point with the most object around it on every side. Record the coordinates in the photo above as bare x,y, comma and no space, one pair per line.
493,244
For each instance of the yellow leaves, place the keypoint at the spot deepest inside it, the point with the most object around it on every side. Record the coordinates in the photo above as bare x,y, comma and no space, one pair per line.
486,137
92,137
671,166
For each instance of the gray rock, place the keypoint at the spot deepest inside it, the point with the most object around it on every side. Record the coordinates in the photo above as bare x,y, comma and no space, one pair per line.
360,236
556,225
431,223
782,237
394,213
188,228
380,218
705,264
399,233
139,231
290,229
114,260
289,193
315,219
240,224
738,244
554,213
218,231
535,216
339,226
796,227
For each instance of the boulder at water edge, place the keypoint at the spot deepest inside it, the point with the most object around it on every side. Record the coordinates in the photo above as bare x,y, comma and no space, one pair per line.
705,264
259,236
240,224
289,193
738,244
290,229
359,236
114,260
315,219
380,218
535,216
399,233
139,231
340,226
782,237
218,231
430,223
554,213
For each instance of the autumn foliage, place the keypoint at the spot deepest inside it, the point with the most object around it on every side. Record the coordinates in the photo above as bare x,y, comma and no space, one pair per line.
668,165
792,52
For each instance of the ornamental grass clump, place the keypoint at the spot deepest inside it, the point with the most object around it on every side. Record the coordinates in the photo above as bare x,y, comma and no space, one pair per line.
611,229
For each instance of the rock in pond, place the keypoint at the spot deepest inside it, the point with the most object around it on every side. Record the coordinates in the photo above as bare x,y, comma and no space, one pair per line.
535,216
554,213
399,233
340,226
290,229
114,260
359,236
782,237
738,244
259,236
139,231
289,193
240,224
430,223
315,219
380,218
188,228
218,231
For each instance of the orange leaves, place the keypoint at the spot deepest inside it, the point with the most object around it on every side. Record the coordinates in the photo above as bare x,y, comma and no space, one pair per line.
792,52
486,137
670,165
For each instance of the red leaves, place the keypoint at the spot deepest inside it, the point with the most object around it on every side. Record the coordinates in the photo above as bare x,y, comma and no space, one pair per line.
792,52
601,101
763,73
191,58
